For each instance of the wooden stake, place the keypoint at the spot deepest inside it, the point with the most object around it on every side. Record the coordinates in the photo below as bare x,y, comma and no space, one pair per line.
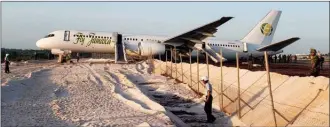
198,70
160,67
207,65
270,86
171,62
176,67
190,67
221,81
181,68
166,62
238,83
152,61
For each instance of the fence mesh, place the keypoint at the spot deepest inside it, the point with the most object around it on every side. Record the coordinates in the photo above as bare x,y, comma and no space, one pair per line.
310,108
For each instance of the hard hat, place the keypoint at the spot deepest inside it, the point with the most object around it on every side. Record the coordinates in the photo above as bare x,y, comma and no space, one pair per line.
204,78
7,54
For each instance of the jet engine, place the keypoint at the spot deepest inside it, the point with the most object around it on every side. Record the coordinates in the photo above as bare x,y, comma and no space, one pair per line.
147,47
60,52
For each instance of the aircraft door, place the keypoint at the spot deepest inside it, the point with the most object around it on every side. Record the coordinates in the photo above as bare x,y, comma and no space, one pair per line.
119,39
139,48
203,45
245,48
66,35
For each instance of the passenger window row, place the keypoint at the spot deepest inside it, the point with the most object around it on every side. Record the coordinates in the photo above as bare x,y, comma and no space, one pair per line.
104,37
134,39
91,36
223,45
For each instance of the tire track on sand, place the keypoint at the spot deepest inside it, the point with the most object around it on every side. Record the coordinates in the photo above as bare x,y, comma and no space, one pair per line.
117,92
116,79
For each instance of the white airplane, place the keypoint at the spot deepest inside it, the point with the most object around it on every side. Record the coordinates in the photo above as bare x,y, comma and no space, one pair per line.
255,42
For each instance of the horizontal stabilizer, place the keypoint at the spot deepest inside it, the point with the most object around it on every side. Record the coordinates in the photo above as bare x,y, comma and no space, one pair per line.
279,45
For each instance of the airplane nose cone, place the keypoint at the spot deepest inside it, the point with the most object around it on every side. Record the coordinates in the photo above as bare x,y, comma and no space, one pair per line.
39,43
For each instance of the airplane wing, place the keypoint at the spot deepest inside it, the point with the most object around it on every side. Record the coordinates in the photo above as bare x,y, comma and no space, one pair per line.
278,45
196,36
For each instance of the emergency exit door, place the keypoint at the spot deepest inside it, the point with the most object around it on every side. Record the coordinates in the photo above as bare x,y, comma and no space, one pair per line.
66,35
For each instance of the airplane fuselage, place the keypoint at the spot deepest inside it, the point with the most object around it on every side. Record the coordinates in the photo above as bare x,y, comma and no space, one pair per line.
102,42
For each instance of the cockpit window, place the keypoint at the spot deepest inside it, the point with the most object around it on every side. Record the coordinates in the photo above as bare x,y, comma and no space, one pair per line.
49,35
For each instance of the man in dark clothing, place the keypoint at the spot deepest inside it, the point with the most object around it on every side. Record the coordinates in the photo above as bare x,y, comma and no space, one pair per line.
280,58
35,55
209,98
250,61
78,56
284,58
7,64
321,62
289,58
275,58
315,61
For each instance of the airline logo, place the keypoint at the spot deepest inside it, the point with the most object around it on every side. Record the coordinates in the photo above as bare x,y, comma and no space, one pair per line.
266,29
91,39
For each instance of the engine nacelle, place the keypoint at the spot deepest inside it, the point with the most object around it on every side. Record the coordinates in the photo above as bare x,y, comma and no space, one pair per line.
147,47
60,52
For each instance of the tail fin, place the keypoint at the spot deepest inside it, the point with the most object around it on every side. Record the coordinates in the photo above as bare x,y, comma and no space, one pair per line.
264,31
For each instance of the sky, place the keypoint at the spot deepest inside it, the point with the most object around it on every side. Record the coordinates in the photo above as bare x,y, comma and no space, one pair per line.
23,23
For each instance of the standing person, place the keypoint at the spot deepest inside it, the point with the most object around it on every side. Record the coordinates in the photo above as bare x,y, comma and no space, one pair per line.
315,61
284,58
295,58
321,60
35,55
280,58
208,101
7,63
289,58
275,58
78,57
250,59
271,58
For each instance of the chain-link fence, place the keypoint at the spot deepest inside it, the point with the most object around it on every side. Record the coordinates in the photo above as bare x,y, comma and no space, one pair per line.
255,108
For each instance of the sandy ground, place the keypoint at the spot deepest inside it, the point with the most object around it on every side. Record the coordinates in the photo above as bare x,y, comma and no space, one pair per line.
83,94
20,70
43,93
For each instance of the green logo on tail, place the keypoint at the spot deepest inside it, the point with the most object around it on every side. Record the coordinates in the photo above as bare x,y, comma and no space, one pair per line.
266,29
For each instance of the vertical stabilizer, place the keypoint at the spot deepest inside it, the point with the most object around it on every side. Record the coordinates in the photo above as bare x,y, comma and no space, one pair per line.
264,31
